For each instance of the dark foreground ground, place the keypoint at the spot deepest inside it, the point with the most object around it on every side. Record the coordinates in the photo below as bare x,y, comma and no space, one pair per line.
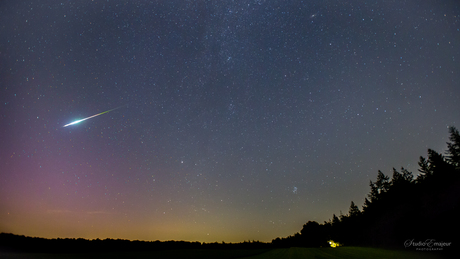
286,253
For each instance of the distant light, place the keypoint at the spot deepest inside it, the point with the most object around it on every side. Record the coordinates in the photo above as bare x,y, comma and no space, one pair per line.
333,244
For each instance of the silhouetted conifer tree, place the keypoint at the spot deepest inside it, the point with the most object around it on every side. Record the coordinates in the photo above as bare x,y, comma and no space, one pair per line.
366,204
407,176
374,193
354,210
453,147
425,170
382,182
335,220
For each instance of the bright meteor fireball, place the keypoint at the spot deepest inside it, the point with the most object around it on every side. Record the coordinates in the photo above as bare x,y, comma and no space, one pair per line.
78,121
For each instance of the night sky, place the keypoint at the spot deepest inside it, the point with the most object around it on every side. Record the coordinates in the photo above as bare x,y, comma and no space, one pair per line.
232,121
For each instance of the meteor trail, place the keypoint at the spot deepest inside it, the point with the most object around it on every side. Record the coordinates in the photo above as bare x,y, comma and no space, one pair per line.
78,121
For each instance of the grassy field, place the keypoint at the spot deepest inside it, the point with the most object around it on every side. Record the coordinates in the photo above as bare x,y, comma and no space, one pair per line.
343,252
288,253
170,254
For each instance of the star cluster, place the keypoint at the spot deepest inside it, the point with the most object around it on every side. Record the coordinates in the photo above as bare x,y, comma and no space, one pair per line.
240,119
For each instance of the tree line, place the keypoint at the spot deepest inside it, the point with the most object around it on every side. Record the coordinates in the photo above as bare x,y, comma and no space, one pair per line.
19,243
397,209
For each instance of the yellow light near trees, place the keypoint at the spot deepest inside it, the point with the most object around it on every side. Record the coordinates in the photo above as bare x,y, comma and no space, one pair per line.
333,244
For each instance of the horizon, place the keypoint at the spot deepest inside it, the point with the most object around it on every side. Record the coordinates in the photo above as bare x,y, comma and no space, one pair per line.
235,121
102,239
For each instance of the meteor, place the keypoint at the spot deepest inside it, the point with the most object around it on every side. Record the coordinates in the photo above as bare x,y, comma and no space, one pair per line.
78,121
